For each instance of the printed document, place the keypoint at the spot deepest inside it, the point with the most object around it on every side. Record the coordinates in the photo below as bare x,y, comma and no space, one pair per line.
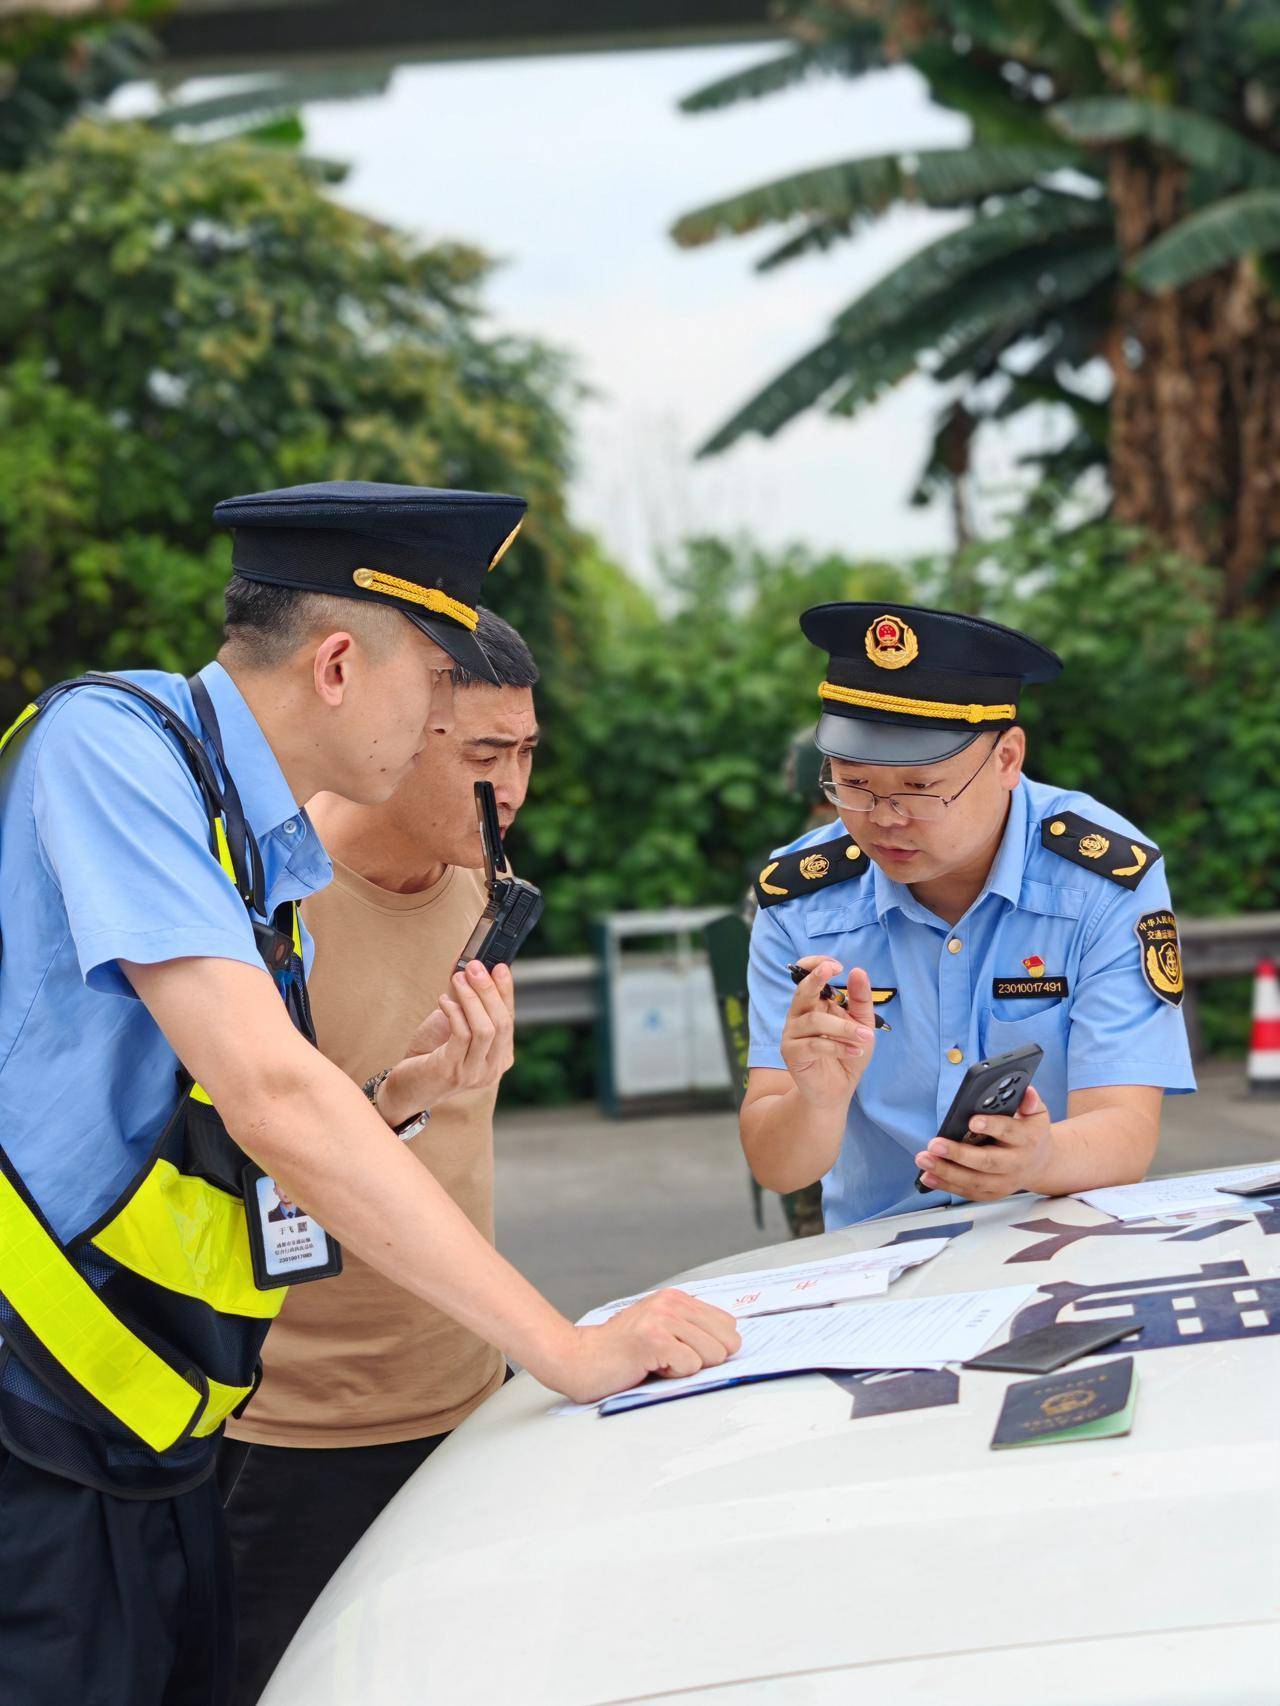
806,1285
1157,1199
908,1332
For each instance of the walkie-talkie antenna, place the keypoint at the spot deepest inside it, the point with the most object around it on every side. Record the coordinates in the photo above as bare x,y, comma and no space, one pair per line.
490,832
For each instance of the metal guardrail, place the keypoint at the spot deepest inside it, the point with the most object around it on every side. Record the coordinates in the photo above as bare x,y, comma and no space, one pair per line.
1227,947
557,992
567,991
1222,947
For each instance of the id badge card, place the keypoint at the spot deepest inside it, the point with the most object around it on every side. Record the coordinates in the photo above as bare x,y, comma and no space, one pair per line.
288,1246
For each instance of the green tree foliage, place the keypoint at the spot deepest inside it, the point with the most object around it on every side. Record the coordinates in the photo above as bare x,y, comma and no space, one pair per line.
665,785
54,68
1117,148
1164,709
661,782
181,323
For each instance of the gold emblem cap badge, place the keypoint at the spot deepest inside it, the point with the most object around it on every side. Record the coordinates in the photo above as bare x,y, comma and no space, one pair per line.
891,643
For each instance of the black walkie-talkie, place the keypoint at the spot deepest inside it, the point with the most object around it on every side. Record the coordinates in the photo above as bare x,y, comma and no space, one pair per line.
514,905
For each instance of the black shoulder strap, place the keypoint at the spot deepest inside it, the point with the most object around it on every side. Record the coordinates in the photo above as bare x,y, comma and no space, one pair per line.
217,804
239,833
226,816
1098,848
798,873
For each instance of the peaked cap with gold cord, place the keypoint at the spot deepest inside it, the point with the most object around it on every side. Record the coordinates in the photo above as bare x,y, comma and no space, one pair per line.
423,551
907,685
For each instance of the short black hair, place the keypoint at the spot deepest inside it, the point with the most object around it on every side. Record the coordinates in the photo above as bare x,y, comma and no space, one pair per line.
511,659
267,623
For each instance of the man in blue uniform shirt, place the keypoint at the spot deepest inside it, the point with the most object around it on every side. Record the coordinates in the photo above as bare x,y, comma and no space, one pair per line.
153,849
974,911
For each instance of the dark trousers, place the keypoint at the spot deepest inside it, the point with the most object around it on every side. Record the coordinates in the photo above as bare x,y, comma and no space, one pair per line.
107,1601
324,1499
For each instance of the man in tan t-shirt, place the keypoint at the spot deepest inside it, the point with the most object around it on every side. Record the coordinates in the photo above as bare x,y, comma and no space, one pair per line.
362,1380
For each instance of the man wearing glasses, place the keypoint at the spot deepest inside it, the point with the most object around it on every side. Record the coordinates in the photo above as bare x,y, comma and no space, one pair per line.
971,911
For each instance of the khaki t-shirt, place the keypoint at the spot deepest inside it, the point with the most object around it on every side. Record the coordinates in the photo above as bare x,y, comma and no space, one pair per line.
355,1360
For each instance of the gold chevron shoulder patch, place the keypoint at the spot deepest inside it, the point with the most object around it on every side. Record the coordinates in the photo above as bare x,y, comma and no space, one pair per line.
1098,848
792,875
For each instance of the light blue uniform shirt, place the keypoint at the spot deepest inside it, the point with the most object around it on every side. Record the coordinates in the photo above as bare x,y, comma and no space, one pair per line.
1110,1028
104,856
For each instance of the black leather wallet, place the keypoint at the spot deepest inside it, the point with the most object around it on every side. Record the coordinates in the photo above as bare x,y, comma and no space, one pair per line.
1052,1347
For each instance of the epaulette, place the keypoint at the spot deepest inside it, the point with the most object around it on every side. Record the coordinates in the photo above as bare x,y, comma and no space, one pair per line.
808,868
1098,848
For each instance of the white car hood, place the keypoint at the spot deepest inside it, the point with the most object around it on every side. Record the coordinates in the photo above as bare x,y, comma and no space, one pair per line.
757,1544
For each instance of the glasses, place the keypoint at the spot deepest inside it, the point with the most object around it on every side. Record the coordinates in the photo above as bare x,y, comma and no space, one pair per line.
923,807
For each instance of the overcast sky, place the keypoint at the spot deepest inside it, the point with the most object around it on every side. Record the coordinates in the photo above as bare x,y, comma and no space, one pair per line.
570,171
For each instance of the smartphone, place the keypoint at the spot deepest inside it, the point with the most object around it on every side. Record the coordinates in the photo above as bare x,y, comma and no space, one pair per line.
833,992
514,906
994,1086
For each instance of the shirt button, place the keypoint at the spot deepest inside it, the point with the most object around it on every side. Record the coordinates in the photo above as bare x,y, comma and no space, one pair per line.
954,945
291,827
955,1056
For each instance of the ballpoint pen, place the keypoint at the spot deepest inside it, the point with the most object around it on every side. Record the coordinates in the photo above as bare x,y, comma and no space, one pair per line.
836,993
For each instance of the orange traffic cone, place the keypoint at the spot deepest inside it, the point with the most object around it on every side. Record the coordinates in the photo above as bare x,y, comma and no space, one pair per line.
1264,1039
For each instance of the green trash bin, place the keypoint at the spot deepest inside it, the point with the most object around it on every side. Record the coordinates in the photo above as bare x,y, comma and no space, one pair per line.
728,944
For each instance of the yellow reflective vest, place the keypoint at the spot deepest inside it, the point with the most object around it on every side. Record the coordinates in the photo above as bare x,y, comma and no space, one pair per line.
125,1349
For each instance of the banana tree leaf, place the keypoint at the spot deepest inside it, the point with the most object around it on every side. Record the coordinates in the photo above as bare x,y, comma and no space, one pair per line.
795,389
947,177
1247,224
815,239
855,190
1067,463
997,111
1032,32
1001,307
848,57
1026,392
1018,226
1193,137
886,359
260,102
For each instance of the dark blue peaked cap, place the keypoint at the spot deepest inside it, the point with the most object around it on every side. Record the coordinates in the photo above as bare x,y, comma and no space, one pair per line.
907,685
425,552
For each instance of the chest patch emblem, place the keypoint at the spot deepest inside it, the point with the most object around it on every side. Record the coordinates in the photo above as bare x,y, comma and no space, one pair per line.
1157,934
